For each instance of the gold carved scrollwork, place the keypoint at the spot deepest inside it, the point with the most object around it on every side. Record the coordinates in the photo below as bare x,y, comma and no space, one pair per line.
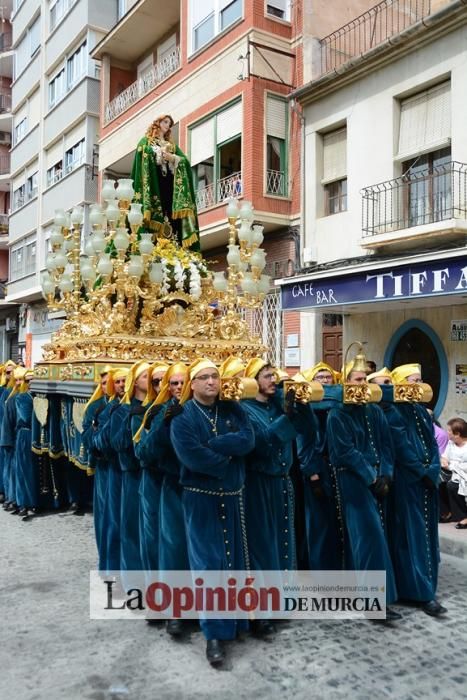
305,392
361,393
413,393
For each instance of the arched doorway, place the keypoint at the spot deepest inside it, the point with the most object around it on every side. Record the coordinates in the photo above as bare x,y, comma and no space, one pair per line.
416,341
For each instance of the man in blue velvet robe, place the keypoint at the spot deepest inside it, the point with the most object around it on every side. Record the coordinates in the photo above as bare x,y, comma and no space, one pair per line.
323,520
413,507
361,454
8,439
121,441
101,447
269,493
157,448
151,476
26,462
94,408
7,382
211,438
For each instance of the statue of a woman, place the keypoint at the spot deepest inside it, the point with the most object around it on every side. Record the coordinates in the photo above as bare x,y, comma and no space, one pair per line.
163,183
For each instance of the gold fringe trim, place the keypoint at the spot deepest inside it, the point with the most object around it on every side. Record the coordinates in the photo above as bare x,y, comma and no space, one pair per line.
56,455
182,213
155,226
187,242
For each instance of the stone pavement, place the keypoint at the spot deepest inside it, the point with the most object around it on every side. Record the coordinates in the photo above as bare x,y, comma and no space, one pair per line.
51,650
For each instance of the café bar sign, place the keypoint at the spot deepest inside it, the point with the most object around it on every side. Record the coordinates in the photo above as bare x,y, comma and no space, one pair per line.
429,279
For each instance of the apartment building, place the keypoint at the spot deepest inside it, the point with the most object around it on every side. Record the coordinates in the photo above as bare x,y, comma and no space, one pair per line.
385,193
8,313
54,151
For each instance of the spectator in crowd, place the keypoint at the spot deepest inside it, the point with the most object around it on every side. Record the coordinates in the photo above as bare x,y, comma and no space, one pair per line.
454,459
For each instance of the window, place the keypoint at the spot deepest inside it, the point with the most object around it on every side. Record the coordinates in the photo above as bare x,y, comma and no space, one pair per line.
334,177
55,173
58,10
57,88
216,156
16,263
18,197
278,8
276,140
30,261
31,187
121,9
425,121
210,17
428,195
34,36
76,65
20,130
74,156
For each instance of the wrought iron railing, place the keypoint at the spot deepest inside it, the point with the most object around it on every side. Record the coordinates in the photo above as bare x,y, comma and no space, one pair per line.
415,199
373,27
143,85
275,182
4,163
219,191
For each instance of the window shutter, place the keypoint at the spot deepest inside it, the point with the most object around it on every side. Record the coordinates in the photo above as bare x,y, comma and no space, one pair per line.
202,142
276,117
229,122
425,121
334,156
75,135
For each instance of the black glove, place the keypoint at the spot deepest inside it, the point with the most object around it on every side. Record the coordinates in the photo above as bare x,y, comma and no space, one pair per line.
317,490
138,410
173,410
95,420
151,414
428,484
380,488
289,404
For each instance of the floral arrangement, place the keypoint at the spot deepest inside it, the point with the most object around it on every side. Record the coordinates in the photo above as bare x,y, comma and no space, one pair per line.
182,269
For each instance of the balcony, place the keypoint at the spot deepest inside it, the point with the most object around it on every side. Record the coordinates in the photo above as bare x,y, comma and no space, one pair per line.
427,206
3,224
5,102
5,42
158,73
219,191
375,26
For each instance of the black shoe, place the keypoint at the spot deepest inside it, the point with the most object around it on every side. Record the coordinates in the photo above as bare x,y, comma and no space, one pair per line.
78,511
7,505
433,608
392,615
2,498
13,509
23,511
174,628
263,628
215,653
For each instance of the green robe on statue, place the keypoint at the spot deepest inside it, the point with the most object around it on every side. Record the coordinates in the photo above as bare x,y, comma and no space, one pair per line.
168,198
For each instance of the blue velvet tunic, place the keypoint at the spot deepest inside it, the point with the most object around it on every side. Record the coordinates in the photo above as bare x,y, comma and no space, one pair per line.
7,444
322,517
213,474
360,449
26,462
413,509
3,394
269,493
173,552
101,478
101,446
121,440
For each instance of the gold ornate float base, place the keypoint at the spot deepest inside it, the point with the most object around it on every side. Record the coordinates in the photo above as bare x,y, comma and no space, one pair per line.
81,358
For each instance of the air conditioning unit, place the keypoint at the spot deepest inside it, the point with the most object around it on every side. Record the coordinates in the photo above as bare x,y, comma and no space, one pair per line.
309,256
5,137
10,324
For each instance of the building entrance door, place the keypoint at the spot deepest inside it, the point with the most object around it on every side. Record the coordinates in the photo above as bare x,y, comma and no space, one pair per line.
332,340
416,346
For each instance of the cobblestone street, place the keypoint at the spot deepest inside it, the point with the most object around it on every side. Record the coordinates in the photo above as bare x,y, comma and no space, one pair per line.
51,649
